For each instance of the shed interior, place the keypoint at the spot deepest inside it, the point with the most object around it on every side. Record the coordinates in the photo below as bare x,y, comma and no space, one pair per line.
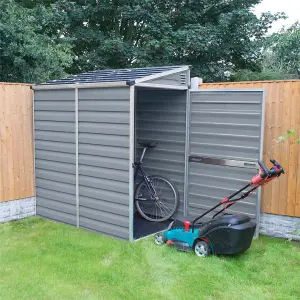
160,116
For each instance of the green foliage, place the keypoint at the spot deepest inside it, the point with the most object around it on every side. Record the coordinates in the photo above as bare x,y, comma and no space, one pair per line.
27,54
280,57
215,37
283,49
248,75
290,135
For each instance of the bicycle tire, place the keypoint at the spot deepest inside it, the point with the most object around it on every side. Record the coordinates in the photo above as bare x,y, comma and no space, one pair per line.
148,216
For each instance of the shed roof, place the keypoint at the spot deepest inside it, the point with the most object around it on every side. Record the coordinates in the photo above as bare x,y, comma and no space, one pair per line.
112,75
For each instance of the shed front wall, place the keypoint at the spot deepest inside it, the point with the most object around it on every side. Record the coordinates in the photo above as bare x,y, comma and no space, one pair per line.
103,157
55,159
103,130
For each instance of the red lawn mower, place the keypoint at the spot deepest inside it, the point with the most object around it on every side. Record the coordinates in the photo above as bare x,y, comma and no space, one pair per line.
224,233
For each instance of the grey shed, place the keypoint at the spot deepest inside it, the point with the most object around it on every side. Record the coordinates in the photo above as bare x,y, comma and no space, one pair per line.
86,129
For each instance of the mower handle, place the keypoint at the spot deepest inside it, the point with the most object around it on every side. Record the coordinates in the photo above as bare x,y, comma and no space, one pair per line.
266,175
264,168
276,164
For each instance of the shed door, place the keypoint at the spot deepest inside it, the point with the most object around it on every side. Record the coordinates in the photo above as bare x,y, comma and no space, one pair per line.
225,144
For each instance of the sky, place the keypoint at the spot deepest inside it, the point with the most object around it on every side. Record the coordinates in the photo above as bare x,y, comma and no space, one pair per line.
290,7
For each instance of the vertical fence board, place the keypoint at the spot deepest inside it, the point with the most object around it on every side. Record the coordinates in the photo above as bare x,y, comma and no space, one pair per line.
297,207
268,144
282,113
293,155
280,151
274,134
16,142
1,142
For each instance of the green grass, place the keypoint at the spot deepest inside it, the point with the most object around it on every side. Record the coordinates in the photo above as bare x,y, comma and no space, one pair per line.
40,259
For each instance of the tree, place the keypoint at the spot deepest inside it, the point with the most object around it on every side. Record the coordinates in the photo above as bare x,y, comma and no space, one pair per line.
280,57
213,36
283,50
26,53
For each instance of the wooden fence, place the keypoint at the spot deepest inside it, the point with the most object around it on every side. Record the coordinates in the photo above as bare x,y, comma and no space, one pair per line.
16,142
282,113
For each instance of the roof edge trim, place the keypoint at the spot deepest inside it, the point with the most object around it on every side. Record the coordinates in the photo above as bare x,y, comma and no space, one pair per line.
79,85
162,86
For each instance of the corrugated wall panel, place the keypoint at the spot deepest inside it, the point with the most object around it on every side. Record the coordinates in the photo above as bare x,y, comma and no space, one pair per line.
161,117
51,106
52,195
104,227
58,146
55,154
54,136
56,215
103,139
104,173
53,175
282,113
224,125
104,160
104,195
236,124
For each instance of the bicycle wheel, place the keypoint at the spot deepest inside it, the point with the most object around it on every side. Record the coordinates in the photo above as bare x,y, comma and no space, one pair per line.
160,209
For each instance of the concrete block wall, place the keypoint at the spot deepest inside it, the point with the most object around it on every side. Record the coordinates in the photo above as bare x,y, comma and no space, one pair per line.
280,226
17,209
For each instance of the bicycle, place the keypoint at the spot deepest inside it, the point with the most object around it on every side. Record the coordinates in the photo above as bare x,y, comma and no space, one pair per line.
156,198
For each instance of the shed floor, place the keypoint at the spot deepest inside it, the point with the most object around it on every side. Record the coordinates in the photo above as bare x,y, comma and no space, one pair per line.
143,227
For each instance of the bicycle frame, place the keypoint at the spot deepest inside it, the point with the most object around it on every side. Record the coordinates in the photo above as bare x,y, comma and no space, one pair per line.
139,167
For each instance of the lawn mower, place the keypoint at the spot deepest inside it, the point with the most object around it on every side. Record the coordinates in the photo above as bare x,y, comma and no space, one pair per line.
224,233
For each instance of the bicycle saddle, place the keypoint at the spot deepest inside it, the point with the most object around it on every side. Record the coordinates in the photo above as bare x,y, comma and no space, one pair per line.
149,144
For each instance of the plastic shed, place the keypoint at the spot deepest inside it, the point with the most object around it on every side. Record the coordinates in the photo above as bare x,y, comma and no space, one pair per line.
86,129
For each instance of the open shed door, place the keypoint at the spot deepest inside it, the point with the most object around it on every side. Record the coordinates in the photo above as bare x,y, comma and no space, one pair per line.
225,143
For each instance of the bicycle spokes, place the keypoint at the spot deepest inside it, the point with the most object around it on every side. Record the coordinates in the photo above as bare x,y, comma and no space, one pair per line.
158,202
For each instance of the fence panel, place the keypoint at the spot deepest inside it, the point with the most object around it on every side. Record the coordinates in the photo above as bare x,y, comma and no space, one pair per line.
16,142
282,113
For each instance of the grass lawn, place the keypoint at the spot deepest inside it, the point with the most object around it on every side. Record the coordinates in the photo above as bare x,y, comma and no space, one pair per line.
40,259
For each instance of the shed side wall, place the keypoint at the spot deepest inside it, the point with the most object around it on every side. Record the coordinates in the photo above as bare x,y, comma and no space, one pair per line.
55,167
104,160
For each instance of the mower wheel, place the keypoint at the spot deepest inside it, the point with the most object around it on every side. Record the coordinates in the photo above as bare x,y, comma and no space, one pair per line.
159,239
201,248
